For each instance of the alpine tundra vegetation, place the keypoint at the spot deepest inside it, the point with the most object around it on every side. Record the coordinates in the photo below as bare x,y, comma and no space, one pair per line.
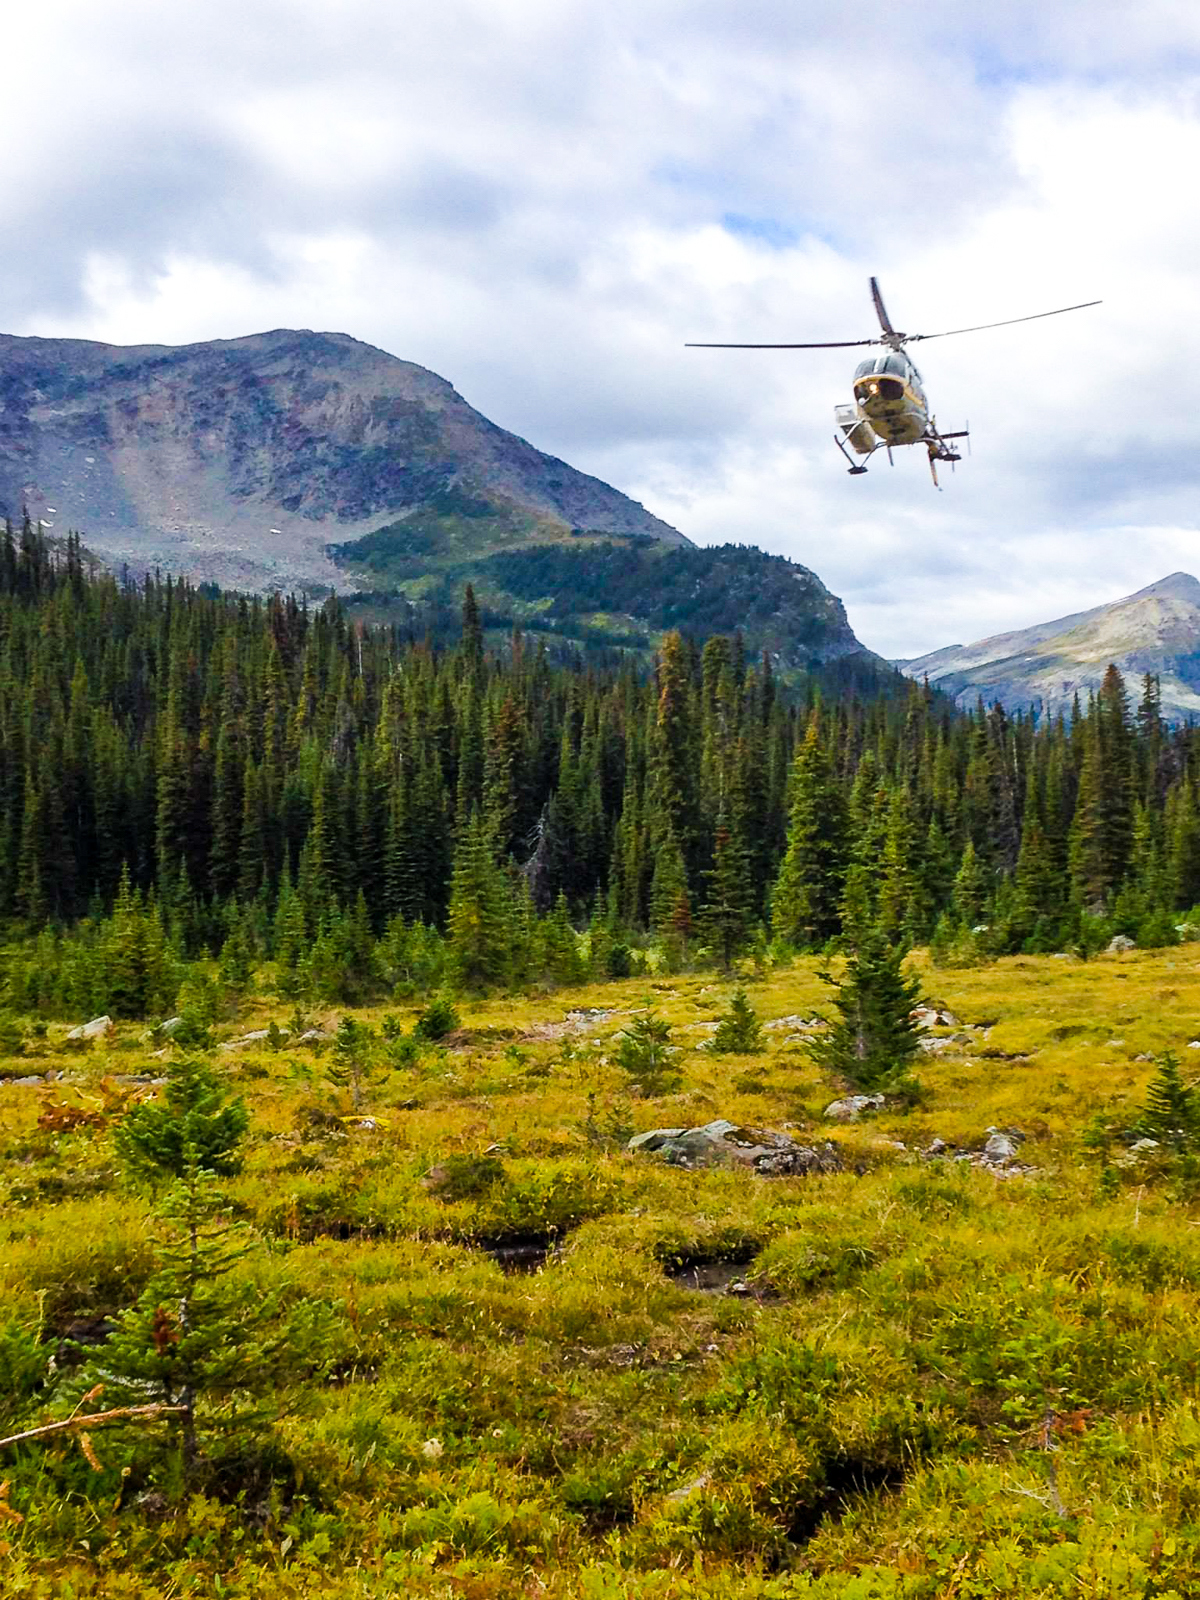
478,1120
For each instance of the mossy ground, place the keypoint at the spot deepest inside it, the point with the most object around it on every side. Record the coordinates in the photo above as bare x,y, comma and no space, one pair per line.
942,1381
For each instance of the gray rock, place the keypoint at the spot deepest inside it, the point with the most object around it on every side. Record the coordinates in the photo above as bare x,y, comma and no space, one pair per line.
799,1162
933,1017
95,1029
1000,1148
654,1139
998,1155
725,1143
1138,1151
1002,1145
1120,942
170,1025
24,1083
852,1107
257,1037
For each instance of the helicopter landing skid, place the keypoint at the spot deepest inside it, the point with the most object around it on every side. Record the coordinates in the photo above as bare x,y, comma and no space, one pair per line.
856,469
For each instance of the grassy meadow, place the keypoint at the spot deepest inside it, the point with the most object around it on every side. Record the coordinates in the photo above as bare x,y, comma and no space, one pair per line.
915,1378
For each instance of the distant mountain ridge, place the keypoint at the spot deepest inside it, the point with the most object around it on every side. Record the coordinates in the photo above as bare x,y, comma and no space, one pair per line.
240,460
1042,668
312,461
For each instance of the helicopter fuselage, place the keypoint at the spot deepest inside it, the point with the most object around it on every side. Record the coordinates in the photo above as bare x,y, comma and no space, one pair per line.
889,396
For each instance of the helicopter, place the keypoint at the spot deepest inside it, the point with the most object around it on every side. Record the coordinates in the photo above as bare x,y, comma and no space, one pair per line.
890,407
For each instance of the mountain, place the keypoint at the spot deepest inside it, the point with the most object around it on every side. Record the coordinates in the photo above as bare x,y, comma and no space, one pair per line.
622,593
299,460
1042,668
240,460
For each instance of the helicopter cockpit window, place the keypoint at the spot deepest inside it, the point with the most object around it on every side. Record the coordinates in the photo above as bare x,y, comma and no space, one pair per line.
894,363
864,369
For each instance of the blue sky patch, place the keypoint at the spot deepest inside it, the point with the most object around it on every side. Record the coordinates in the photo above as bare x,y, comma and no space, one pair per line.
766,230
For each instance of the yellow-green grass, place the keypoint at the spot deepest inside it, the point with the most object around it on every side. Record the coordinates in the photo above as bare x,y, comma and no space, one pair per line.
942,1381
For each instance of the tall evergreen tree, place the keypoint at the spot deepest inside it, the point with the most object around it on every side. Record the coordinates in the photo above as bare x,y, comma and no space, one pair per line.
808,890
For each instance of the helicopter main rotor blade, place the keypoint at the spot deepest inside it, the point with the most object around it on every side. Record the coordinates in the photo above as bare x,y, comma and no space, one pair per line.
885,322
982,327
835,344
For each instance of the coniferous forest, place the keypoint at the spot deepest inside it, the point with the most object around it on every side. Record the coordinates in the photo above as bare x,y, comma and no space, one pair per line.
255,774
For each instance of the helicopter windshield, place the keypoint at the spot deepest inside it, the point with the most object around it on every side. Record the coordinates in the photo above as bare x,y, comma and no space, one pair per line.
892,363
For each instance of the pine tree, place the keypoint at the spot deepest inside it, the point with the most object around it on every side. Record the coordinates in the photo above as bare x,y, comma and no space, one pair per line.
560,946
1117,777
1183,845
899,912
970,888
674,754
1172,1110
873,1038
478,916
1037,902
1088,858
136,967
808,890
504,779
193,1125
739,1031
351,1066
668,886
727,898
198,1339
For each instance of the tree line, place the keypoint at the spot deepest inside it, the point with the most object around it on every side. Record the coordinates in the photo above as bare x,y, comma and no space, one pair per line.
265,772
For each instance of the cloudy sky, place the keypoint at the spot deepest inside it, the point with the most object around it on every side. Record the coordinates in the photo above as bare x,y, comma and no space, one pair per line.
542,200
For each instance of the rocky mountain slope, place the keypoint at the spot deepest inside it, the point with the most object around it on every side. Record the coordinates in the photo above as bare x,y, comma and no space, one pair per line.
1042,668
301,460
240,460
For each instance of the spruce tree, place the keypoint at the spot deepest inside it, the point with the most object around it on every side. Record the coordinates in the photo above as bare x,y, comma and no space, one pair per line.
199,1339
1172,1111
970,888
739,1031
195,1124
726,917
1087,856
873,1038
808,890
477,925
351,1065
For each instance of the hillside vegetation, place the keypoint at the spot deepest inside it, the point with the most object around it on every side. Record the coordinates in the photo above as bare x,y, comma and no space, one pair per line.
625,593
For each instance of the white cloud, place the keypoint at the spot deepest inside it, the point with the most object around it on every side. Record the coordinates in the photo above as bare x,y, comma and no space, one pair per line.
529,200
